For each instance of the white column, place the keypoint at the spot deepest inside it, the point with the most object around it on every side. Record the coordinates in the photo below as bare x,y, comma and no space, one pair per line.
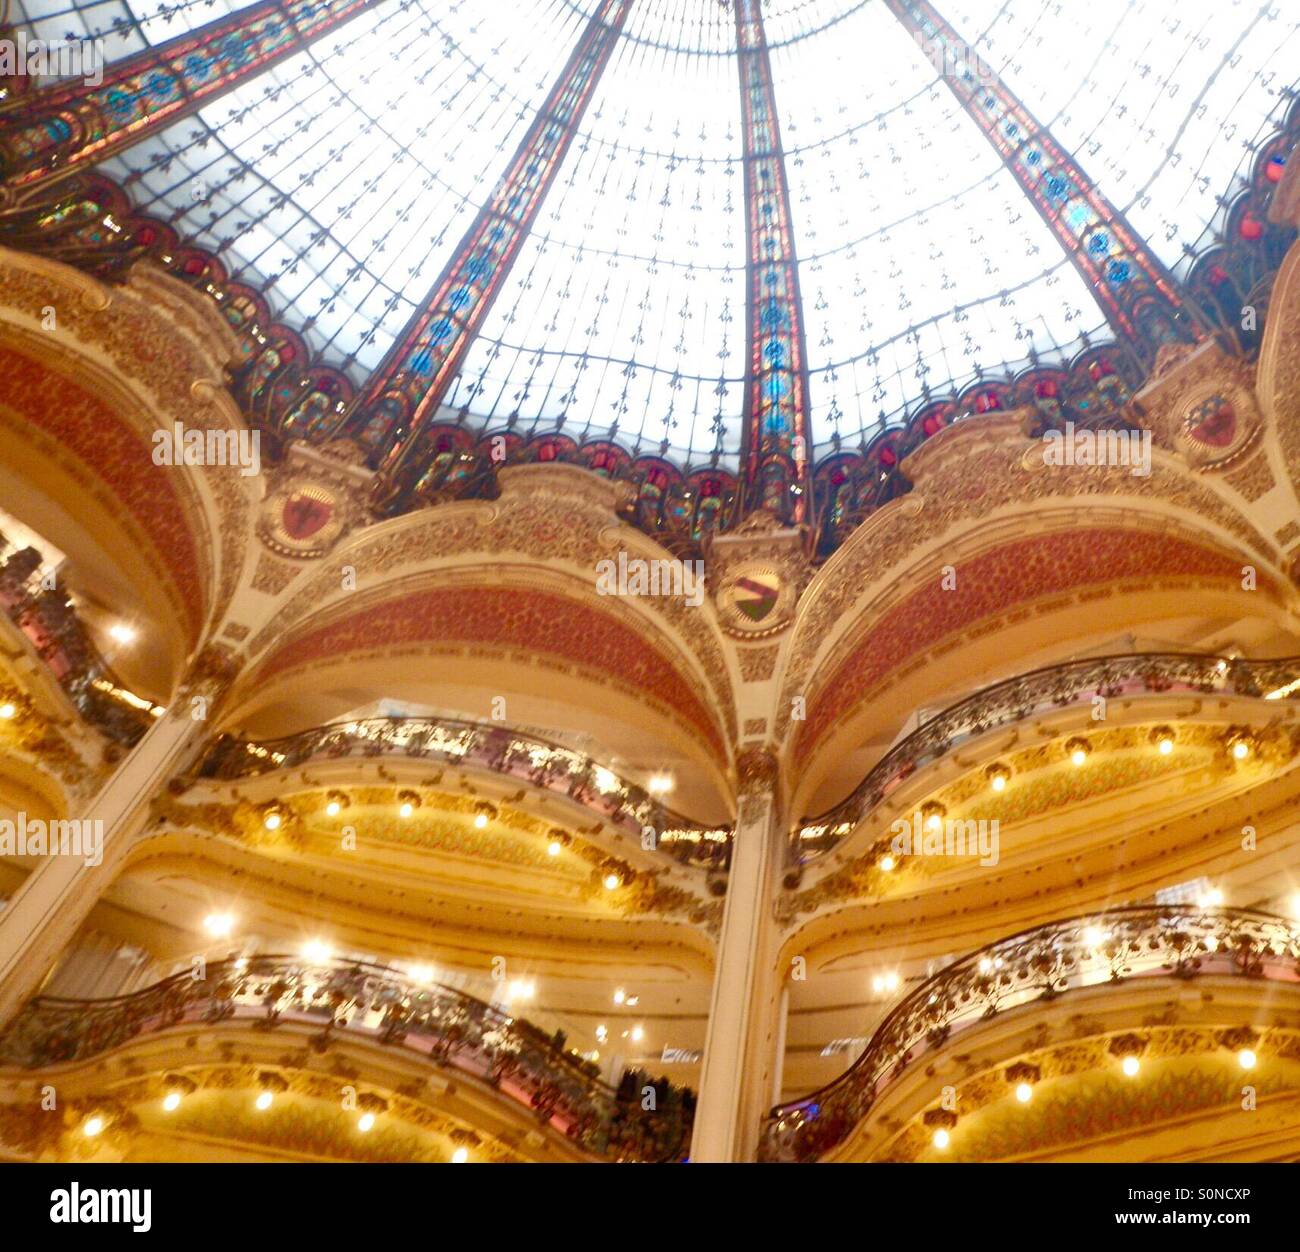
735,1078
48,909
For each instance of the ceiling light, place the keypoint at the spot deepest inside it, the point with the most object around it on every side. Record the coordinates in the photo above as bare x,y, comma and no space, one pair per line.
406,810
1094,936
637,1034
660,784
1024,1093
1078,750
1130,1065
332,808
460,1156
602,1033
619,995
1241,749
7,711
1163,738
480,821
263,1101
93,1126
1212,899
612,882
553,848
887,863
272,821
633,1001
932,815
121,633
423,974
941,1139
998,775
219,925
1246,1058
316,951
365,1122
172,1102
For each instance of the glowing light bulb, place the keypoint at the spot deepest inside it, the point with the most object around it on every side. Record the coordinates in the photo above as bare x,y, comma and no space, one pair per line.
219,925
619,995
553,848
264,1101
316,951
1130,1066
93,1126
1024,1093
273,821
172,1102
1241,749
1246,1058
120,632
332,808
637,1034
602,1033
365,1122
1166,746
481,820
612,882
460,1156
887,863
660,784
7,711
407,809
999,782
941,1139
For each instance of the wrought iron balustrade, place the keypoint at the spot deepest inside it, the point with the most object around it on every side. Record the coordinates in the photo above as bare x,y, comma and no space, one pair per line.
513,754
1108,947
1039,691
49,619
369,1002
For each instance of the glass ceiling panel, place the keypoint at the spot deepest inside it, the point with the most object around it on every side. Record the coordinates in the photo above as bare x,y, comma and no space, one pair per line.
346,176
628,303
125,28
342,181
1160,102
920,258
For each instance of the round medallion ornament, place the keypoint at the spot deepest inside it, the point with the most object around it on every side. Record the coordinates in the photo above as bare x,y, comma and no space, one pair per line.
303,519
1216,428
755,598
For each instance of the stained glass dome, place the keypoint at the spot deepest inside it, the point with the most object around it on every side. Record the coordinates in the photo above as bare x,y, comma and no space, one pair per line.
341,181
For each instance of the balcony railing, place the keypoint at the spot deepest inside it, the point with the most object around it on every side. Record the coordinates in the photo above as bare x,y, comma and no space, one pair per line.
1014,700
1108,947
49,620
526,758
361,1001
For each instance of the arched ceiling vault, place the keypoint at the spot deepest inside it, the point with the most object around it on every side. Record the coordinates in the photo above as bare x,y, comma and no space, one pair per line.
992,560
91,373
